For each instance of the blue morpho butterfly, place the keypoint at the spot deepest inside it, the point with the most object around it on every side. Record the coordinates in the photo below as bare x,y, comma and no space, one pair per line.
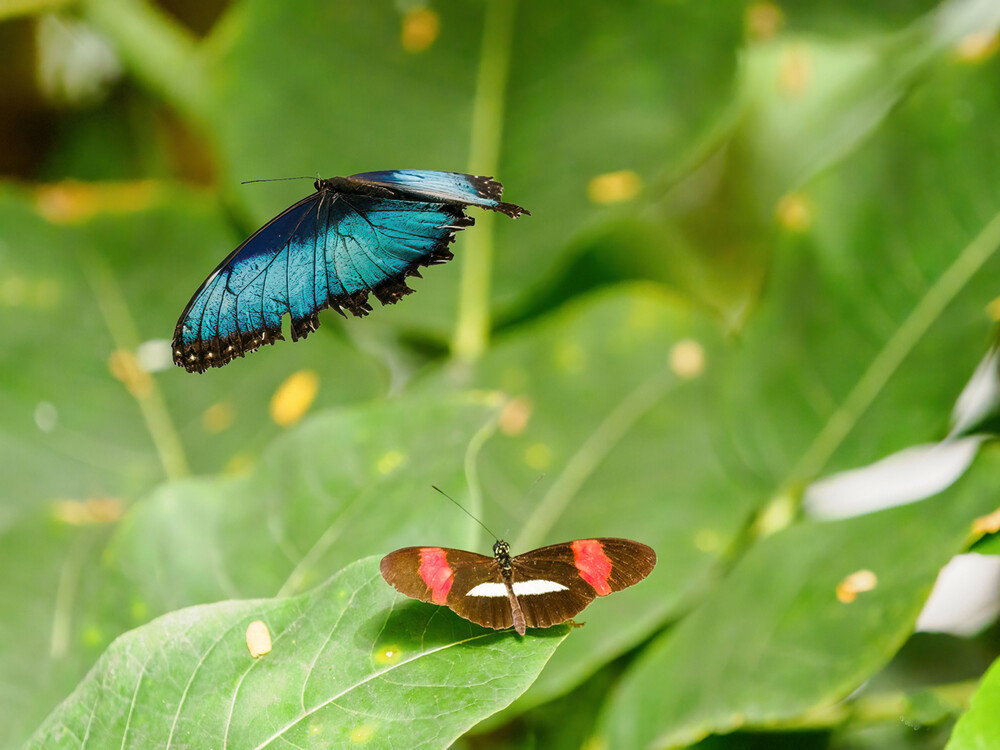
354,235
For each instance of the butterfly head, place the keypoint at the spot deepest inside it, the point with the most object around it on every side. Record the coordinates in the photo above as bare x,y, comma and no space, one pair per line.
501,551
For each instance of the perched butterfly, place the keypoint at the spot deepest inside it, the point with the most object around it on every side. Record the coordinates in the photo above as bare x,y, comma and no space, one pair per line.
354,236
538,589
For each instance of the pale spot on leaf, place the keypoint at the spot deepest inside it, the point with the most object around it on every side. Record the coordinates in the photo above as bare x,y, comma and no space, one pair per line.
218,417
989,524
389,654
977,47
239,465
687,358
856,583
74,202
362,733
124,366
794,213
763,20
294,397
515,415
420,28
94,510
46,416
258,639
569,356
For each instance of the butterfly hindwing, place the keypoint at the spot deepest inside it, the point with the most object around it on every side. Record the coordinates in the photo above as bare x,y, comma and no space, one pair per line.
328,250
454,187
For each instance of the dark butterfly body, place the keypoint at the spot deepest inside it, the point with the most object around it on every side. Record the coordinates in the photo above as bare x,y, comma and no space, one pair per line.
538,589
354,236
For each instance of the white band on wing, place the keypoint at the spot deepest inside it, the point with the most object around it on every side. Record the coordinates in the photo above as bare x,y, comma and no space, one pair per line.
521,588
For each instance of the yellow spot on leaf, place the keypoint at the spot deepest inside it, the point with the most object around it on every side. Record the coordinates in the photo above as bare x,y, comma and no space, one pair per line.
362,733
515,415
614,187
993,309
125,367
538,456
989,524
977,47
391,461
258,639
763,20
687,358
388,654
420,29
94,510
795,70
794,213
707,540
856,583
74,202
218,417
294,397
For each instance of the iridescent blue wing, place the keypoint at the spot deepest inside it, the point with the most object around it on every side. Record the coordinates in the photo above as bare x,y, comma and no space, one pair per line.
328,250
447,187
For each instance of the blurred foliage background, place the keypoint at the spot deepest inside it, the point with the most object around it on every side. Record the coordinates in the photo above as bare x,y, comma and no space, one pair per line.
750,322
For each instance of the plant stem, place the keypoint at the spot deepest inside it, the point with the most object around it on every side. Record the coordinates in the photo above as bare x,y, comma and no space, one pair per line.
927,311
156,49
152,405
472,331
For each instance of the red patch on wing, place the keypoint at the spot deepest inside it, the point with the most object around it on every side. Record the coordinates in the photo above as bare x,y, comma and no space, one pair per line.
436,572
593,564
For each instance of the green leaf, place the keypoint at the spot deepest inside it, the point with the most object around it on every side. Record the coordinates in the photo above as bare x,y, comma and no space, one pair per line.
352,661
774,642
979,727
342,485
112,274
51,579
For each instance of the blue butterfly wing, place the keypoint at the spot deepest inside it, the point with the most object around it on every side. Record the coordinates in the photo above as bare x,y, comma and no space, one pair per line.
328,250
448,187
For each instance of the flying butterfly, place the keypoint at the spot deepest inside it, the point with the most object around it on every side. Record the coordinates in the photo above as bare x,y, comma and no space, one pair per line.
354,236
539,589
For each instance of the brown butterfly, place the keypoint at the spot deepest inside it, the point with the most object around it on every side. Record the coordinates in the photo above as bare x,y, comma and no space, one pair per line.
539,589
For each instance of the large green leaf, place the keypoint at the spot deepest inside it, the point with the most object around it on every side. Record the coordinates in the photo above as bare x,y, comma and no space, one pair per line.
106,278
342,485
979,727
352,661
775,641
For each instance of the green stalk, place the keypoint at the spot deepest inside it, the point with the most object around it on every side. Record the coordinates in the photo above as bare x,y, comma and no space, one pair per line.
156,49
473,328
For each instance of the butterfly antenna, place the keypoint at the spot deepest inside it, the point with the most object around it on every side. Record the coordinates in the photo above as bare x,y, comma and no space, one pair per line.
466,512
275,179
